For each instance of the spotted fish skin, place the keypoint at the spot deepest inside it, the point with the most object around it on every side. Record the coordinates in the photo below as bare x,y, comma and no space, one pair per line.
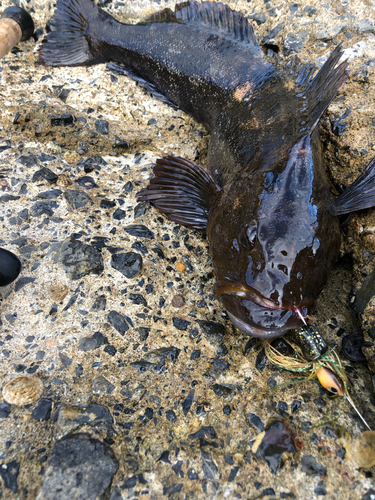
264,201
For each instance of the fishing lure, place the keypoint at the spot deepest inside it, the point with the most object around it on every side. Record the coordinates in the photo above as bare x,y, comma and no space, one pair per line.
327,368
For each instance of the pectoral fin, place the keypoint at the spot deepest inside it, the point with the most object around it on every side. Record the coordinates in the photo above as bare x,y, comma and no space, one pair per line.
182,190
360,194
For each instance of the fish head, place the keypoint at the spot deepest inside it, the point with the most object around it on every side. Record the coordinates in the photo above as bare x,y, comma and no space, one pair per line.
259,293
273,245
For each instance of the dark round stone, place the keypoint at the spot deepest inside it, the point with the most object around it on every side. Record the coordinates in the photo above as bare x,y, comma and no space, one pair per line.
227,410
129,264
4,410
192,474
171,416
221,350
276,441
79,466
10,267
105,203
101,126
352,346
91,343
110,349
43,409
76,198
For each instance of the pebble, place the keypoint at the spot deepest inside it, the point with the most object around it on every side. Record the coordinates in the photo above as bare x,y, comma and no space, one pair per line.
61,120
293,44
58,291
366,26
43,208
43,409
332,32
259,17
141,209
139,231
180,324
129,264
83,148
99,303
44,173
76,198
170,415
102,127
311,467
178,301
118,322
4,410
23,390
77,258
214,332
187,402
86,344
100,385
255,421
271,36
276,441
225,390
181,268
209,467
105,203
87,182
9,474
79,466
50,195
72,418
119,214
338,127
160,356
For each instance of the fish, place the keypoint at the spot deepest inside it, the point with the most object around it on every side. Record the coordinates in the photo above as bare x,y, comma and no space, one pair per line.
264,201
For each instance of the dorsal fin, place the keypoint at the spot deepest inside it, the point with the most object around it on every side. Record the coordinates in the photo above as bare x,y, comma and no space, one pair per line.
220,18
212,16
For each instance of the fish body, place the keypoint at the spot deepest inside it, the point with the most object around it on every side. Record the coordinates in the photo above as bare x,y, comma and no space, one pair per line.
272,225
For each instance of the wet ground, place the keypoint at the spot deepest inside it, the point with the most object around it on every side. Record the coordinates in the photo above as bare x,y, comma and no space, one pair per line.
149,390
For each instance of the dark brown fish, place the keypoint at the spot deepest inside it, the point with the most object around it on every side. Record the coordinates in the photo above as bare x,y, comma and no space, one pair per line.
272,225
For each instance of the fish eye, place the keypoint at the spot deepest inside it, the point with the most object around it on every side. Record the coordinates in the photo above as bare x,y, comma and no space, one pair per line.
244,242
247,237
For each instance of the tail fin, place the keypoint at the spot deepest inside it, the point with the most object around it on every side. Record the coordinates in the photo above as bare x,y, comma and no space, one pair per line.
360,194
323,87
68,40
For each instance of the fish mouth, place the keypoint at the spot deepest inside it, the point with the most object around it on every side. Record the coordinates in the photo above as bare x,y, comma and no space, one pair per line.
252,330
244,291
256,315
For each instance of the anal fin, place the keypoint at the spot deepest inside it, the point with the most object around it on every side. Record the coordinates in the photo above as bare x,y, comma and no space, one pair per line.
182,190
154,91
360,194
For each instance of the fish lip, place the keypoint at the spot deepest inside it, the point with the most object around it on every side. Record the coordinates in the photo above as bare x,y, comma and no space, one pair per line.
245,292
253,331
